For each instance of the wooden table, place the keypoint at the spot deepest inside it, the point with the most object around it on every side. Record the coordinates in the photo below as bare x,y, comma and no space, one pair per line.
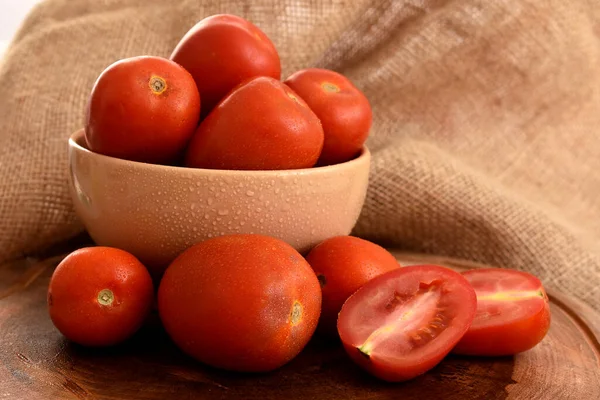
36,362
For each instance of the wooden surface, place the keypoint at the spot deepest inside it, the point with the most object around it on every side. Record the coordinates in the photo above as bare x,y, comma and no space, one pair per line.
36,362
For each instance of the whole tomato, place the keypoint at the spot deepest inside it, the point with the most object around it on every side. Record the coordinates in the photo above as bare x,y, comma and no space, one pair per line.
261,125
343,110
142,109
223,50
240,302
343,264
99,296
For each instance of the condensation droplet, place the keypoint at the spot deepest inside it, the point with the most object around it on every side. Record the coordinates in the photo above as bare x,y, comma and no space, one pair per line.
192,206
223,212
206,216
250,193
210,200
242,223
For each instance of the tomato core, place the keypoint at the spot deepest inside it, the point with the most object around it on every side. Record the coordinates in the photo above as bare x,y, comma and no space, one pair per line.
330,87
419,317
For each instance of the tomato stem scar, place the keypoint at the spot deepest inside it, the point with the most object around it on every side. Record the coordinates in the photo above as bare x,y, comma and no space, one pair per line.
296,313
106,297
157,84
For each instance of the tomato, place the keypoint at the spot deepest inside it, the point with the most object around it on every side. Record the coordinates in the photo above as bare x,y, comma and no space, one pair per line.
513,313
343,264
402,323
261,125
99,296
142,109
240,302
221,52
343,110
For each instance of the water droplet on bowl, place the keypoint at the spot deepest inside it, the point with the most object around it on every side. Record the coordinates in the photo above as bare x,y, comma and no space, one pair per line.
210,200
223,212
250,193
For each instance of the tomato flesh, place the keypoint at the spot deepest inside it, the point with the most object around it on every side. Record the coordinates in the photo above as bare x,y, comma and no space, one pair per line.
404,322
513,313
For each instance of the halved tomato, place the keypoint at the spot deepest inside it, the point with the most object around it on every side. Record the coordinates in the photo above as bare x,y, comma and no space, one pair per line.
402,323
513,313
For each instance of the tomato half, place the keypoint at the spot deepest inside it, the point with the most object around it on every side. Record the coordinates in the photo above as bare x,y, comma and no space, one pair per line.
99,296
513,313
404,322
343,264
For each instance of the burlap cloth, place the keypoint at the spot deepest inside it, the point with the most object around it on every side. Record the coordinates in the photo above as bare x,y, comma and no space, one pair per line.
485,137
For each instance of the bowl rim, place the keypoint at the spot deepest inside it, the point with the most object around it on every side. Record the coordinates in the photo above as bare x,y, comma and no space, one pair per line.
78,136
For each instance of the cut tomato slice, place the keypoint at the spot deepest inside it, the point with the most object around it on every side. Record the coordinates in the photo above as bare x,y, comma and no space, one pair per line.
404,322
513,313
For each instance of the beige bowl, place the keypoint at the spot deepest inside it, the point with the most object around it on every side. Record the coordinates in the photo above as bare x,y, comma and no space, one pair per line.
156,211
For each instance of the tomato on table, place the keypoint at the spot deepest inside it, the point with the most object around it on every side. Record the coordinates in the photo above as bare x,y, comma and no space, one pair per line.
142,109
99,296
261,125
403,323
240,302
513,313
343,264
222,51
342,108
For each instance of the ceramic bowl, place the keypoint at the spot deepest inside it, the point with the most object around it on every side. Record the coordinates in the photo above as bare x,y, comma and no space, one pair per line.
156,211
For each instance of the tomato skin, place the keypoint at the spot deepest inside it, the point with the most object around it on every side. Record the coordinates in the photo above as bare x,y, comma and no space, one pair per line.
240,302
438,307
518,332
343,264
142,109
221,52
261,125
77,283
343,109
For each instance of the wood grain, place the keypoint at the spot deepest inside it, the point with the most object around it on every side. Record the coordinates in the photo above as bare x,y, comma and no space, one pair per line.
36,362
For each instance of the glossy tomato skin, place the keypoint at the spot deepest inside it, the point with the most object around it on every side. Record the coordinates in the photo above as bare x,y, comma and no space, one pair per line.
343,109
99,296
261,125
221,52
343,264
403,323
142,109
240,302
509,320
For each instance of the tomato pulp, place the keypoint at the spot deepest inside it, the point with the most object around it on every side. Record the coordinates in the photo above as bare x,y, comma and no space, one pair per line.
513,313
404,322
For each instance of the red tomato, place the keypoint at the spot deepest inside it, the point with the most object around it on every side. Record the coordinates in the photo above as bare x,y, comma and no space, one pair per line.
240,302
142,109
261,125
403,323
513,313
343,110
222,51
99,296
343,264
